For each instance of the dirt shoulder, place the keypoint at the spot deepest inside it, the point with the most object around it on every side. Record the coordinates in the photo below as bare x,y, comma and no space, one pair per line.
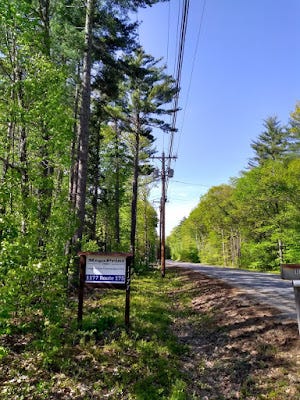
239,348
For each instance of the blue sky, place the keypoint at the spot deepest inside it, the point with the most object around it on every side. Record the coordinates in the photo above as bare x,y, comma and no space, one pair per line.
246,68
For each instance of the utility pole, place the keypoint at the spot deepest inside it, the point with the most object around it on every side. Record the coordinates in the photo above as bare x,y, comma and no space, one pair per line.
162,223
163,216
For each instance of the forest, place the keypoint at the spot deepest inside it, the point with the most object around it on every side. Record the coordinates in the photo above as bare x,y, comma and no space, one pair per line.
79,99
81,105
254,220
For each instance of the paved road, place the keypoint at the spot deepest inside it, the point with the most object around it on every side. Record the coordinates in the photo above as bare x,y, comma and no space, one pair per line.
269,288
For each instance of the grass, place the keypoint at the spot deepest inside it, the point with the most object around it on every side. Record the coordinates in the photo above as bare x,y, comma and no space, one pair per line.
102,360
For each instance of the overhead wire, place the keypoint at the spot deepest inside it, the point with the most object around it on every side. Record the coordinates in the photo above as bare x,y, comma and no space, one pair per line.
188,91
168,50
183,12
168,34
177,36
192,73
167,55
177,75
179,64
191,183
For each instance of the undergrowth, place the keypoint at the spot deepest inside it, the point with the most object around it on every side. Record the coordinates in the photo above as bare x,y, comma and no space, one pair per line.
43,359
181,345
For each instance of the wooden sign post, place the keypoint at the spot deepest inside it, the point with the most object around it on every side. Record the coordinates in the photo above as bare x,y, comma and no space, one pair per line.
104,270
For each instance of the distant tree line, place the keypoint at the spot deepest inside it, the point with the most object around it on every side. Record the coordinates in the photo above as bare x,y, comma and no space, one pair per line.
254,221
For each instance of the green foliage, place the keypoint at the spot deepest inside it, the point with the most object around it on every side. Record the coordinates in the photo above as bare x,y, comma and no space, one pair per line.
142,363
252,223
41,52
272,144
260,255
183,242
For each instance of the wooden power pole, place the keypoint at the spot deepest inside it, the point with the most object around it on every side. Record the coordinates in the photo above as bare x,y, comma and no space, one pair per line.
163,217
163,200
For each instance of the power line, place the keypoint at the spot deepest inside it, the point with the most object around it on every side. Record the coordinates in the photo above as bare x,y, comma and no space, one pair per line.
191,184
165,170
177,36
192,71
168,38
190,82
183,28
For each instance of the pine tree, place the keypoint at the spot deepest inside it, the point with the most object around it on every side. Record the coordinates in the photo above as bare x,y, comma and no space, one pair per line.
294,127
272,144
148,91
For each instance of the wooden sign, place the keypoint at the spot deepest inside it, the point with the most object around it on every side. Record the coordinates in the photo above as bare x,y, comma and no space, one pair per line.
104,270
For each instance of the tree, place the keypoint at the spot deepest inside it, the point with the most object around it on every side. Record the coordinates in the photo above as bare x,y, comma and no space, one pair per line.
93,56
263,197
35,130
294,127
118,37
148,90
211,232
36,116
223,236
57,61
272,144
183,241
83,123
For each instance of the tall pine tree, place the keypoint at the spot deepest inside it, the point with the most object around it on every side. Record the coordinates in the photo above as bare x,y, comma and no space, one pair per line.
272,144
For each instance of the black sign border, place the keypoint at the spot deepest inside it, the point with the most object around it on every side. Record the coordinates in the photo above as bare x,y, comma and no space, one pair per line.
82,284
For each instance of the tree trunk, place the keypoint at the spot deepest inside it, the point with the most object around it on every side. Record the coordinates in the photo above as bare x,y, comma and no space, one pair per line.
146,240
74,147
96,177
83,125
24,178
23,156
9,148
223,249
45,191
44,11
135,191
280,251
117,189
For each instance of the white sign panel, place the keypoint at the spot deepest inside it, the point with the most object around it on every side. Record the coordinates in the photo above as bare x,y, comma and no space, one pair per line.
105,269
